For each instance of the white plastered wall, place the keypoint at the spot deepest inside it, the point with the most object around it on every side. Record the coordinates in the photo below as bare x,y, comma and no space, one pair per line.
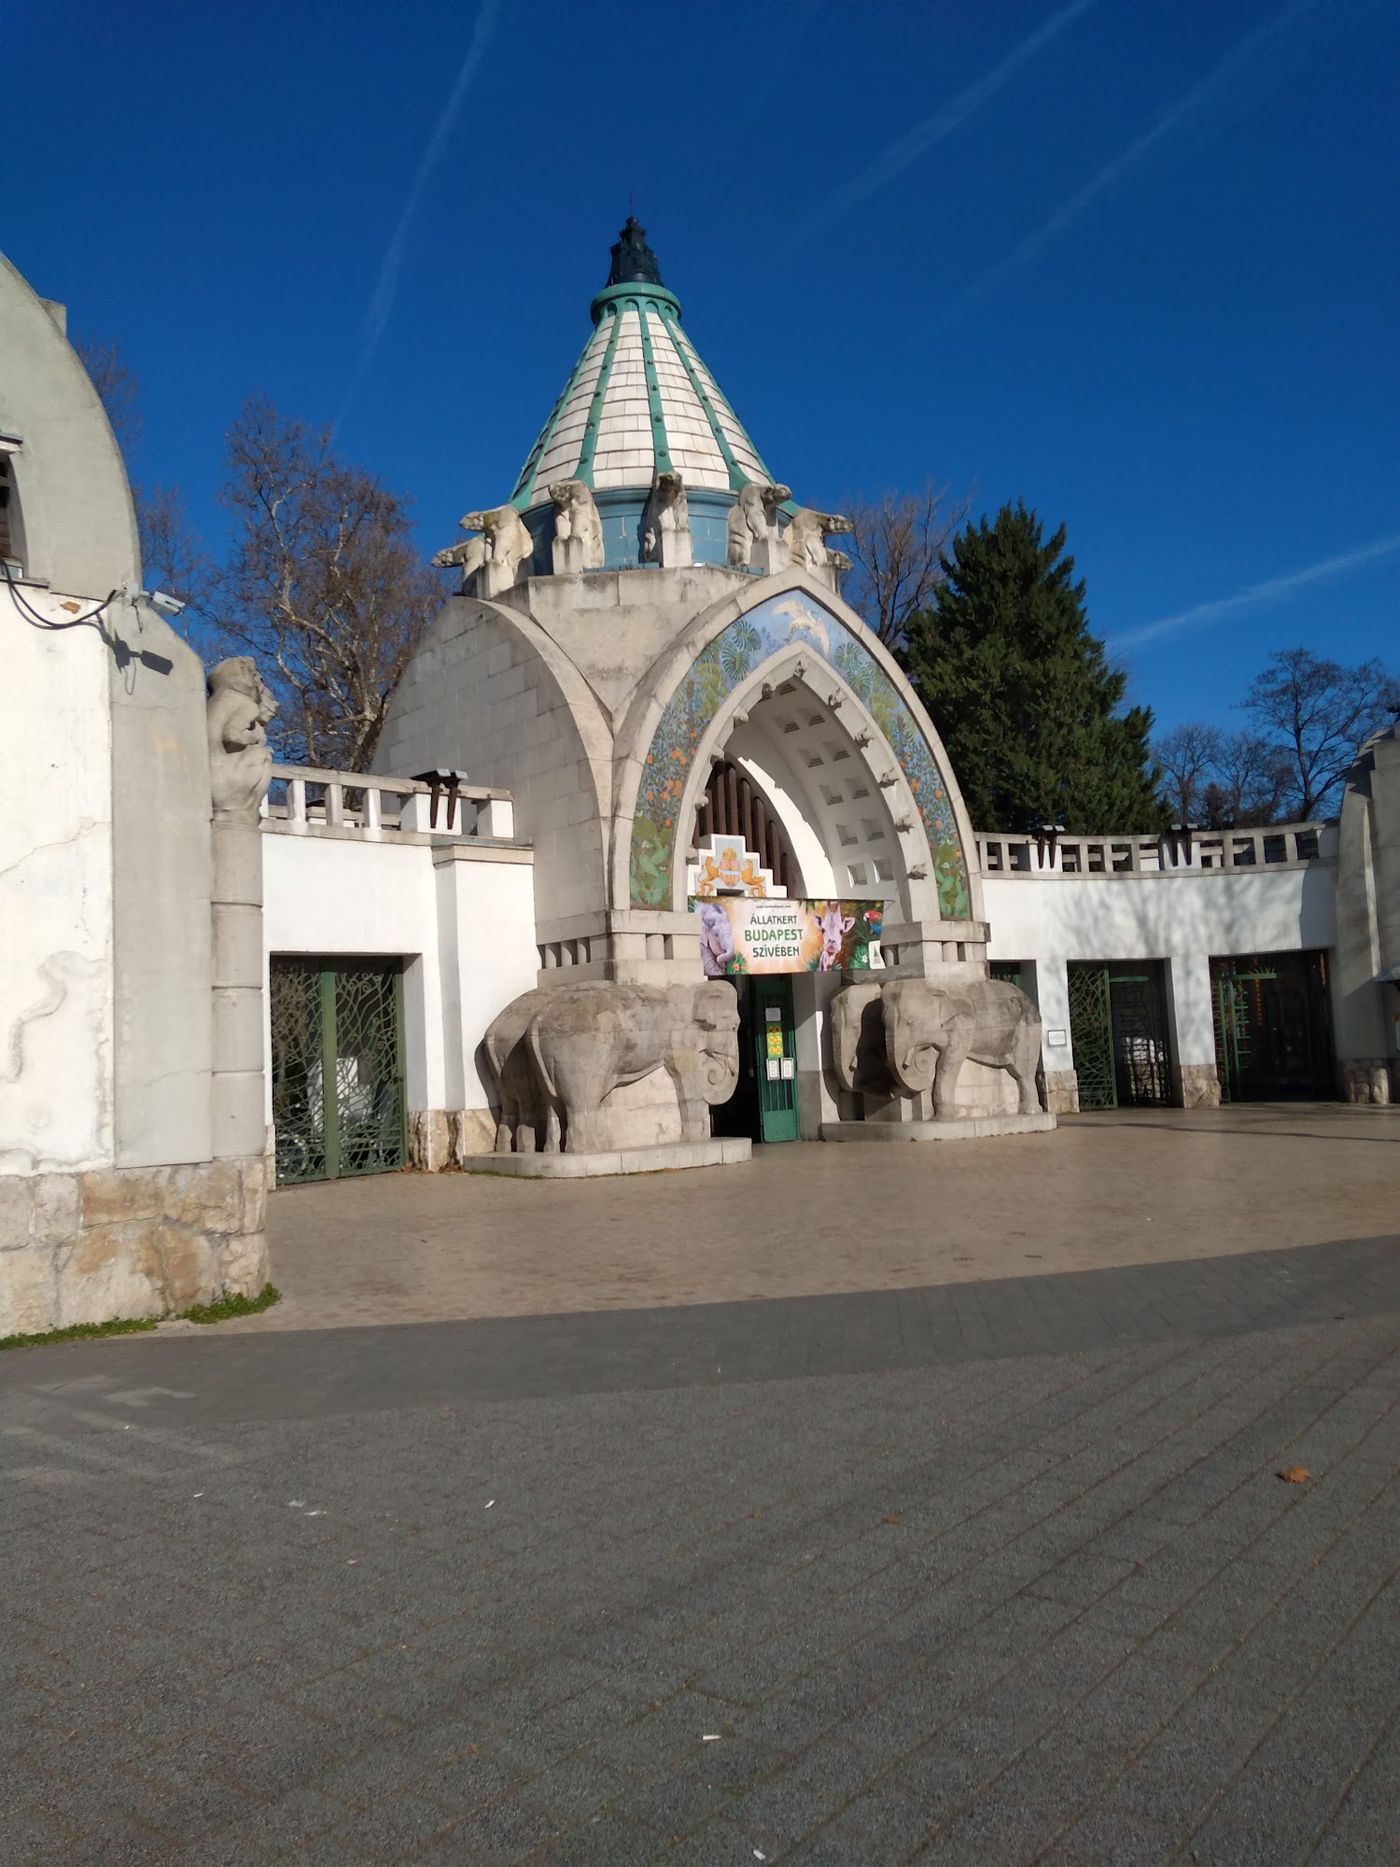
56,985
1184,919
461,918
479,697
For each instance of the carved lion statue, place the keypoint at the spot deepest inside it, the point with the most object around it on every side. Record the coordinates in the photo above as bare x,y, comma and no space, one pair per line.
754,516
667,514
576,516
806,536
240,760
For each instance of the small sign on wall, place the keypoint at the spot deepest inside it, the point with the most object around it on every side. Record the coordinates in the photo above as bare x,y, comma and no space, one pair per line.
1056,1040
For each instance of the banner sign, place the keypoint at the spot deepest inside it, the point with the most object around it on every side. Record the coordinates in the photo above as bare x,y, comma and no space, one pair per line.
741,934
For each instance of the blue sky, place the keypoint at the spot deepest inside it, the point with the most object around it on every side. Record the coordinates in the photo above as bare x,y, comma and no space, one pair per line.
1132,260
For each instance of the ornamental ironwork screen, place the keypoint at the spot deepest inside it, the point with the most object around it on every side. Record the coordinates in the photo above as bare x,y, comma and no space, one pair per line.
1091,1033
1118,1027
337,1023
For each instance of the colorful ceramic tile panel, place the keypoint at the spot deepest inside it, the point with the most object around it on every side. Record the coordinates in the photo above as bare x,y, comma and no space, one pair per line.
783,622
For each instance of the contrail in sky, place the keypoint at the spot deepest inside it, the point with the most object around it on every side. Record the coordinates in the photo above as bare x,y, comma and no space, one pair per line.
1273,590
1221,84
382,303
909,147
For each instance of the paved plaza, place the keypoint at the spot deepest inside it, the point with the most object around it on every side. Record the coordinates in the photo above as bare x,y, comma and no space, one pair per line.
966,1544
1139,1187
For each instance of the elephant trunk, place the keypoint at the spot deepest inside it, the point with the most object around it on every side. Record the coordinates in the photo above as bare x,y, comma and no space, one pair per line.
912,1059
719,1072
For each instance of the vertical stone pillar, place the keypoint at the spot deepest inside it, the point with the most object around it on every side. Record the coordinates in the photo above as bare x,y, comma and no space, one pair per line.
240,769
236,899
1196,1079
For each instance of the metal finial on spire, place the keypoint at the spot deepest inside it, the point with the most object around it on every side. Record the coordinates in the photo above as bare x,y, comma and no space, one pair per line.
633,262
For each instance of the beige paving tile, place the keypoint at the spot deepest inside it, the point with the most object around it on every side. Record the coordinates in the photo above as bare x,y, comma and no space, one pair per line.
809,1219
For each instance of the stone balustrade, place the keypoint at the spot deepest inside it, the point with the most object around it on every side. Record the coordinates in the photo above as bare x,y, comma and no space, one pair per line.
306,801
1276,846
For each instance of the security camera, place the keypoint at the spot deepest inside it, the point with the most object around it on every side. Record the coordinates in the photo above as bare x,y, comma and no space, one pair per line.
167,605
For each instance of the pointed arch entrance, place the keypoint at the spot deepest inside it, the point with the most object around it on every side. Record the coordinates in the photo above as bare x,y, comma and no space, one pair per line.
847,760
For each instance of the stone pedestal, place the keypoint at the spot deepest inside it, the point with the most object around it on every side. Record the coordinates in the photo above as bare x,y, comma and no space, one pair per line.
771,555
717,1152
1061,1092
570,557
1197,1085
971,1127
674,550
494,579
1367,1080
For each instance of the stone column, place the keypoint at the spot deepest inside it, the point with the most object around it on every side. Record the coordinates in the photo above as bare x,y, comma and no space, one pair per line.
240,769
236,900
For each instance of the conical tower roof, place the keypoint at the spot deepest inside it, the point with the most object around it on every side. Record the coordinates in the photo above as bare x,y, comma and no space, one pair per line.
639,401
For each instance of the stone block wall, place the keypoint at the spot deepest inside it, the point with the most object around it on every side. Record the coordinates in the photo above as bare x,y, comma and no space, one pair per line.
1197,1085
1061,1092
440,1139
116,1243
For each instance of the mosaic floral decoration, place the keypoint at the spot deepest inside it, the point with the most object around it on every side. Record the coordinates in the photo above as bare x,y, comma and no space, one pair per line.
783,622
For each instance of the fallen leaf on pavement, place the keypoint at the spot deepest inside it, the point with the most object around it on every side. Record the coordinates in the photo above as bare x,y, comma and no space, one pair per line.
1295,1474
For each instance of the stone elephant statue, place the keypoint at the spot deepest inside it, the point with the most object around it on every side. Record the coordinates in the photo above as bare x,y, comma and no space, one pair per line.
856,1020
523,1118
558,1053
931,1030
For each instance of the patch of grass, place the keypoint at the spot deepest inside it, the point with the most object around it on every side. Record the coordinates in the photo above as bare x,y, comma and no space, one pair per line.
223,1311
228,1307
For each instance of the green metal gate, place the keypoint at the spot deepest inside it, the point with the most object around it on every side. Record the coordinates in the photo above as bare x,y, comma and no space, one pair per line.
774,1036
1273,1038
1091,1033
337,1023
1234,1027
1118,1027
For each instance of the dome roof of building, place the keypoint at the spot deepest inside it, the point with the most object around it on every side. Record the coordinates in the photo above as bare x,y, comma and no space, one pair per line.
639,401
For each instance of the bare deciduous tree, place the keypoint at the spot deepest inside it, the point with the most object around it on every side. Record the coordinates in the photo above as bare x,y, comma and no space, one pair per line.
171,556
324,585
1249,783
1188,755
898,544
1317,714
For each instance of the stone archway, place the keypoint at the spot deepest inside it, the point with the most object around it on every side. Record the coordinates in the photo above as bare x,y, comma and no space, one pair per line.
839,692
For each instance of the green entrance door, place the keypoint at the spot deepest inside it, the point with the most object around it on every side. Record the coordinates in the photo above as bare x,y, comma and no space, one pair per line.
775,1058
337,1067
1272,1029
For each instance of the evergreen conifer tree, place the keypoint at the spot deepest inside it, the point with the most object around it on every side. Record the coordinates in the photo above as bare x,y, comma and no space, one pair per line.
1021,691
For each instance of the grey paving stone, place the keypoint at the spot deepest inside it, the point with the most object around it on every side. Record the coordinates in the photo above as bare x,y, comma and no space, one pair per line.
1095,1588
674,1804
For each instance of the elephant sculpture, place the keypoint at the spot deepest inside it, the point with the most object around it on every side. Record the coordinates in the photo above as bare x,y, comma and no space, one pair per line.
932,1030
520,1126
557,1054
858,1038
